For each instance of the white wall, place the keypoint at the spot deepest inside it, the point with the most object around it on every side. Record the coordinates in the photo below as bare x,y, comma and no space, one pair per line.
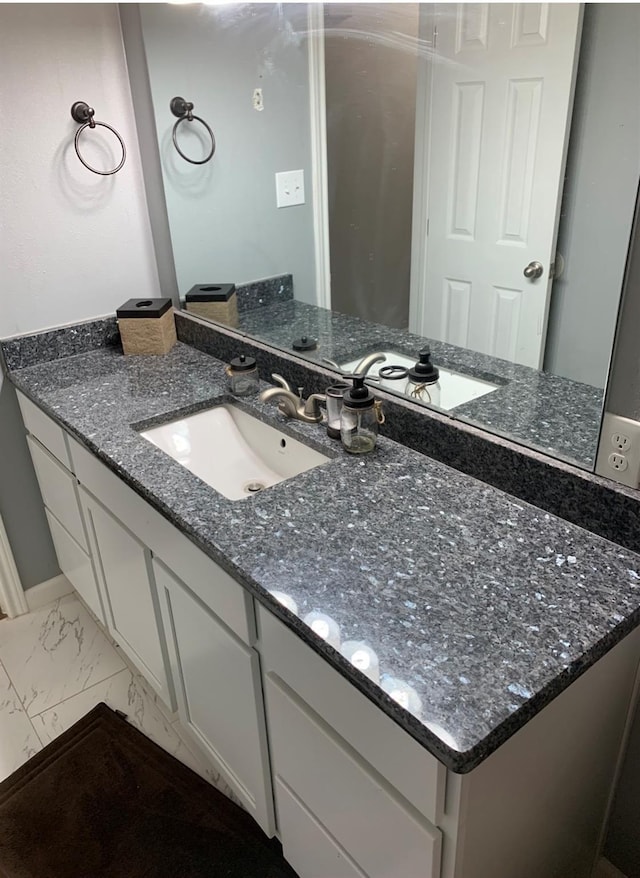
73,245
603,167
225,226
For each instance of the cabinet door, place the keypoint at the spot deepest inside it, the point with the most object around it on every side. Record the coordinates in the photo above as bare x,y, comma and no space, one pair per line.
217,681
76,565
123,570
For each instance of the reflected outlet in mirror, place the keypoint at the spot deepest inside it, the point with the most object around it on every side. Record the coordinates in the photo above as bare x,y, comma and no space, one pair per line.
233,452
455,389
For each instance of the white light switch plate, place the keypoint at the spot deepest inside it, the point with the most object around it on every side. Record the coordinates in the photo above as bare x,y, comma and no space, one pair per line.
289,188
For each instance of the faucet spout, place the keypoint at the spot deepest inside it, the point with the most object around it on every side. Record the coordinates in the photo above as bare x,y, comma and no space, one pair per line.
367,362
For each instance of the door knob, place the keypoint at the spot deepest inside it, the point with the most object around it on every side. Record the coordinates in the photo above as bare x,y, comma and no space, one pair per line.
533,270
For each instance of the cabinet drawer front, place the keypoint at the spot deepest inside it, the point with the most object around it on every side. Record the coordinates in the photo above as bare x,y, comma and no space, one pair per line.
58,489
214,586
308,847
44,429
395,754
219,691
76,565
383,836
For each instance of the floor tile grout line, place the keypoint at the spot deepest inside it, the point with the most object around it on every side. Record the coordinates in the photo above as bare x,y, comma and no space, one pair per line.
22,708
80,692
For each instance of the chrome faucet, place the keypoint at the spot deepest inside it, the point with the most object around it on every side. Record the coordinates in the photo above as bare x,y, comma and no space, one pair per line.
292,406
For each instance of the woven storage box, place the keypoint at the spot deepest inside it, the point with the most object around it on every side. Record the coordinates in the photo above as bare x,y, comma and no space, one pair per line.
217,302
147,326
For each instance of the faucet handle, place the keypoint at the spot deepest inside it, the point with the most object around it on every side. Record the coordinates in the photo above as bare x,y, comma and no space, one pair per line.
278,379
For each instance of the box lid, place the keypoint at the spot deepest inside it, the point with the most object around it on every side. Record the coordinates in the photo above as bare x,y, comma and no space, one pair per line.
144,308
210,293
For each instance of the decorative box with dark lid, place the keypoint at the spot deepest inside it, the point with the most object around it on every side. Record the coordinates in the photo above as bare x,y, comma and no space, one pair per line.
217,302
147,326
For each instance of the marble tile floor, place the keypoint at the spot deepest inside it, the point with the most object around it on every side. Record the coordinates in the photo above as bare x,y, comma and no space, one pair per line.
56,663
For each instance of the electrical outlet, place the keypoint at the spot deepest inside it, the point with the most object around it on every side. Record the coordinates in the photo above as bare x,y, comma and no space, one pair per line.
289,188
623,463
619,462
620,441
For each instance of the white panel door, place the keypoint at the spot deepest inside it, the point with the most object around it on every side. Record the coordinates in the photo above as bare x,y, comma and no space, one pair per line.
218,686
501,91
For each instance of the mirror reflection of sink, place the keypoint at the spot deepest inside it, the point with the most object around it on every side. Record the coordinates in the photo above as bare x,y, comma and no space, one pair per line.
233,452
455,388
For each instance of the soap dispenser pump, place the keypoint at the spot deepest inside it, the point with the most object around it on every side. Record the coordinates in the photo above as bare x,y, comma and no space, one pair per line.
423,379
360,417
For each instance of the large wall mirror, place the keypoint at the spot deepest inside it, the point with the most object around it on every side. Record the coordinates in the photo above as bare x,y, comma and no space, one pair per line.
461,177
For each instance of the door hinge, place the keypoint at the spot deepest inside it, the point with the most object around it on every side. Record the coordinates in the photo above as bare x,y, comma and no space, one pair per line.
435,37
427,227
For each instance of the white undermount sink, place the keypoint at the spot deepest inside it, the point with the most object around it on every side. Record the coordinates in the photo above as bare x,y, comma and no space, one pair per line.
235,453
455,388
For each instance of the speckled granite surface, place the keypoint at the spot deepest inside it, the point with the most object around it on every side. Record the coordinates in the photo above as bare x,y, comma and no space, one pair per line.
486,607
550,413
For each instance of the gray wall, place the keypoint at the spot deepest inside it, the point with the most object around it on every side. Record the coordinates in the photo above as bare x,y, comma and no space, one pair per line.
20,501
224,222
371,79
603,167
73,245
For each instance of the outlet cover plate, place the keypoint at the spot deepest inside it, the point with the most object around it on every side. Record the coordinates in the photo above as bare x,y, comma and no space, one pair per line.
619,450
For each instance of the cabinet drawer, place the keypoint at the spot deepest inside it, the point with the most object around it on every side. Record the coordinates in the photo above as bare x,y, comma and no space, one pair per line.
58,489
396,755
76,565
222,594
309,848
44,429
383,835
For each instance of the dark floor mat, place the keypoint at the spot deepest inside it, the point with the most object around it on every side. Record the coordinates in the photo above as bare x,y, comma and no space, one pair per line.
103,801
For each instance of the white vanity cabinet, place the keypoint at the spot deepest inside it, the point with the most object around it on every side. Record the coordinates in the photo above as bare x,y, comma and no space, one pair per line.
357,796
47,444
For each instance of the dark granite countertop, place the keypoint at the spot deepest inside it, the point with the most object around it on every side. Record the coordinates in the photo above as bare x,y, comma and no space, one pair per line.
484,606
547,412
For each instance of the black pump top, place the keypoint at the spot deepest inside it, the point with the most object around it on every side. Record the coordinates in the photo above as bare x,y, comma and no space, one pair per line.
424,372
359,396
242,363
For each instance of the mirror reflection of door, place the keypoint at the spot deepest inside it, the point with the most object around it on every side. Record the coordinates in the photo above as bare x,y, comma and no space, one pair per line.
498,86
494,93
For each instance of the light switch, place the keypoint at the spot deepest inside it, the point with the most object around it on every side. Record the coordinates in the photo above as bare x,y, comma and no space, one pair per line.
289,188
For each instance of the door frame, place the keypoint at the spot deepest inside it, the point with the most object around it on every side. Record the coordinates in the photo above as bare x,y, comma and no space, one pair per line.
12,597
319,174
427,34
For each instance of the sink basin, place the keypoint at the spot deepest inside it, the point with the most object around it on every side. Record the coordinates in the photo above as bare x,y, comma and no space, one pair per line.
455,388
235,453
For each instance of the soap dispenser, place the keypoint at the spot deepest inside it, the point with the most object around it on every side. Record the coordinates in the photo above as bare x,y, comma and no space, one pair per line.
423,383
360,417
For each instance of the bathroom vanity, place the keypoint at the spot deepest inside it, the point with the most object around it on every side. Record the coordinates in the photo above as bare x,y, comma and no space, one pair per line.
505,638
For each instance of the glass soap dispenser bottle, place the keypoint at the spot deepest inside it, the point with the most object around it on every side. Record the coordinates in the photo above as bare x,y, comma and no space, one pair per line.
360,418
242,376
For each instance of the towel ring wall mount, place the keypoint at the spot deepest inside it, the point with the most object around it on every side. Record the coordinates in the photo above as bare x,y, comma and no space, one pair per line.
184,111
82,113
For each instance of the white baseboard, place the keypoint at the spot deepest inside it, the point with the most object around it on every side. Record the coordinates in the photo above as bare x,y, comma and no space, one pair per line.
46,592
12,599
605,869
